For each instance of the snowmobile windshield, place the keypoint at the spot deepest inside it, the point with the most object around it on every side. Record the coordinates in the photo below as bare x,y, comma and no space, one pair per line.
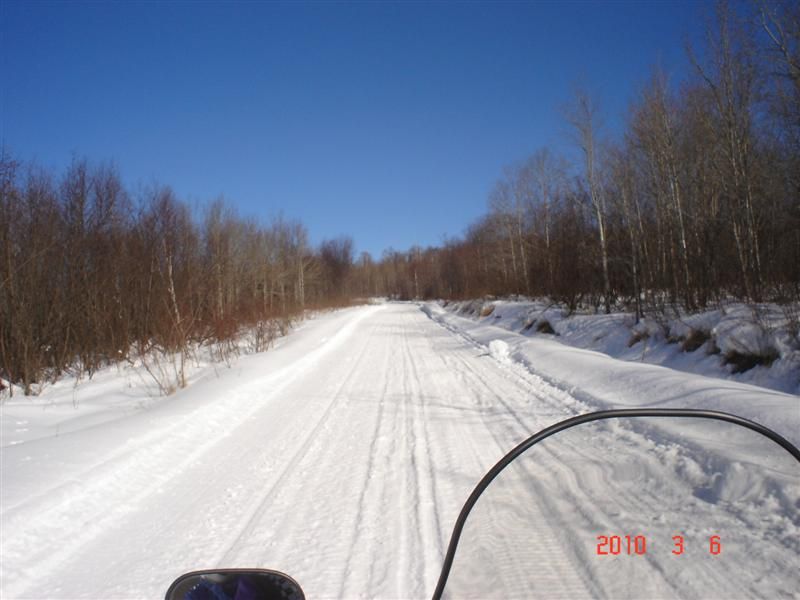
636,507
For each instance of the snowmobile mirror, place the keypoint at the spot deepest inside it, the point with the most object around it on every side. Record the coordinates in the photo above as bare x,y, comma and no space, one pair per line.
235,584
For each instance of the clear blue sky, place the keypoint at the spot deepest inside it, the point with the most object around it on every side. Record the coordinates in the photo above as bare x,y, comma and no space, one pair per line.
388,122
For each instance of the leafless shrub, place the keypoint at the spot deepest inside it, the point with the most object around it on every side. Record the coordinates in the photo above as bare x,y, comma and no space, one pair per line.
695,339
638,336
165,369
543,326
791,312
263,335
741,362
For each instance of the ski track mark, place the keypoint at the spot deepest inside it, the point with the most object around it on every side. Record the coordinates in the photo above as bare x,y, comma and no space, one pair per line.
358,532
247,529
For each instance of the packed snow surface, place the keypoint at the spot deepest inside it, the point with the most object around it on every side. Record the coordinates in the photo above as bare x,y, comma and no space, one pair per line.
344,455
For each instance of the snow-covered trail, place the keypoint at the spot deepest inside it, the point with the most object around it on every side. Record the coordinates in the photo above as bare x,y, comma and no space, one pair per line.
341,457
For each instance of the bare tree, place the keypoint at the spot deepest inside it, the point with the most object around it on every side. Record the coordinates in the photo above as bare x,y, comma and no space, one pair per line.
584,118
732,79
548,179
655,131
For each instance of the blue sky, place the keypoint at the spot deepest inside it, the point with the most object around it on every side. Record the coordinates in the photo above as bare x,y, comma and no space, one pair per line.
389,122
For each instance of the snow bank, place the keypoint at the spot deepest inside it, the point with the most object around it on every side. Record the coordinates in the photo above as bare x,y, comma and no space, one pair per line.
77,402
602,382
756,345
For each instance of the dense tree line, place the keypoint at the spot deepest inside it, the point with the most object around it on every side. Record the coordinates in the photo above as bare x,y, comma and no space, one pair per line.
91,274
698,200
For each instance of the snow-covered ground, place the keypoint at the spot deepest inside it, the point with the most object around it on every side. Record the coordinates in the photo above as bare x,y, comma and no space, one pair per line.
751,344
344,455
